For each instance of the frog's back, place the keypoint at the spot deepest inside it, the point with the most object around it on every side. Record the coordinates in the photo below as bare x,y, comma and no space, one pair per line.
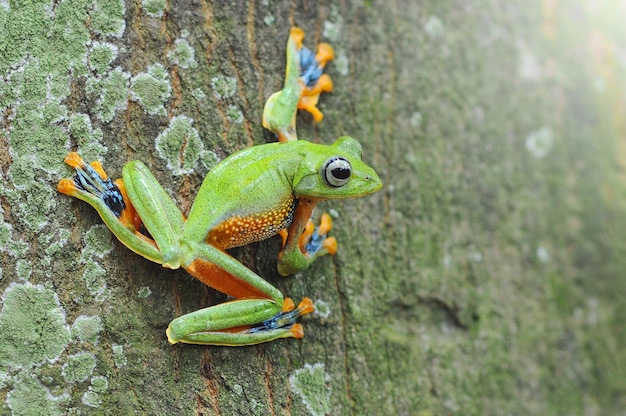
247,197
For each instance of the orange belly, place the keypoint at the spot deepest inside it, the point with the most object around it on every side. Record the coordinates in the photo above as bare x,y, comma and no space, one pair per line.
240,230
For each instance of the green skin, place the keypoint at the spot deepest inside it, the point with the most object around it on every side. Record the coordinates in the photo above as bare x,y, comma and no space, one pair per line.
246,185
279,112
249,182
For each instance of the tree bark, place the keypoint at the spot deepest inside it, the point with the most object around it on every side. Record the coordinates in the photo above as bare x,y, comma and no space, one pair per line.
485,278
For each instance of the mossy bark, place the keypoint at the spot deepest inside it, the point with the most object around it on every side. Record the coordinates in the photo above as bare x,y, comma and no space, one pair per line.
485,278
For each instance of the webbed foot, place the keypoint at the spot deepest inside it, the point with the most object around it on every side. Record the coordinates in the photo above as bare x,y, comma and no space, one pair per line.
304,82
286,319
312,243
92,184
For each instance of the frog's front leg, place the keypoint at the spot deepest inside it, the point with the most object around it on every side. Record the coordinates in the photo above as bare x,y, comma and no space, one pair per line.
258,314
303,242
304,82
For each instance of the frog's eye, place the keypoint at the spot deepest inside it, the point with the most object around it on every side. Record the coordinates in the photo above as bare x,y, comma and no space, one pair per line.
336,171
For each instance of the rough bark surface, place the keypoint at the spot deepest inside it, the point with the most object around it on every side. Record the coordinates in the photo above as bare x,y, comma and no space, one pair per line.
485,278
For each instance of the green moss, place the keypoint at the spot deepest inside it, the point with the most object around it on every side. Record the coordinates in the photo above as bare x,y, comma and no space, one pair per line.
5,235
342,63
98,242
183,54
29,397
269,19
5,378
198,94
434,27
154,8
118,355
332,31
87,328
80,127
208,159
91,399
223,87
33,327
88,139
39,48
23,269
144,292
151,89
540,142
311,384
35,211
18,248
234,114
54,112
93,275
180,145
79,367
101,56
58,86
111,92
99,384
108,17
322,309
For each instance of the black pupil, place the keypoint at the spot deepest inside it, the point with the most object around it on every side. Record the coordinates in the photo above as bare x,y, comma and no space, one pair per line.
341,173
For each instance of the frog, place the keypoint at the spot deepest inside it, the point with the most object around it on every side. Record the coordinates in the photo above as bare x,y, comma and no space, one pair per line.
252,195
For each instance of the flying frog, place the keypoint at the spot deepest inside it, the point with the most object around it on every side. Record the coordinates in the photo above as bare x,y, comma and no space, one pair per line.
250,196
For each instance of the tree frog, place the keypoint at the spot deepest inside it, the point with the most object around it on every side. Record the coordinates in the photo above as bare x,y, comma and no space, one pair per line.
249,196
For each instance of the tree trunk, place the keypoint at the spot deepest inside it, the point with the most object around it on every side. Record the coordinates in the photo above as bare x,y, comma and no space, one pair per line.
485,278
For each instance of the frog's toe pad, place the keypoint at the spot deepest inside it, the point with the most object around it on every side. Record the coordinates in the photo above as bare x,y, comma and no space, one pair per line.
305,306
288,305
297,331
330,244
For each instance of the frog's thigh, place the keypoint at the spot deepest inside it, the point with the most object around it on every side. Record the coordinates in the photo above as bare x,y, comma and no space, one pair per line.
157,210
219,279
223,272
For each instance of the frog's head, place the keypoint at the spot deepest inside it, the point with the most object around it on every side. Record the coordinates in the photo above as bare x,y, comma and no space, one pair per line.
336,171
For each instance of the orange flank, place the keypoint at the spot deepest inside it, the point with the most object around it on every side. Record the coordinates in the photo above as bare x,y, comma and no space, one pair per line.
235,329
219,279
239,230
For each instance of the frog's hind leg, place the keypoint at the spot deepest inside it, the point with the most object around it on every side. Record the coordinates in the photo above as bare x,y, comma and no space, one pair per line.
91,184
304,82
235,323
258,314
